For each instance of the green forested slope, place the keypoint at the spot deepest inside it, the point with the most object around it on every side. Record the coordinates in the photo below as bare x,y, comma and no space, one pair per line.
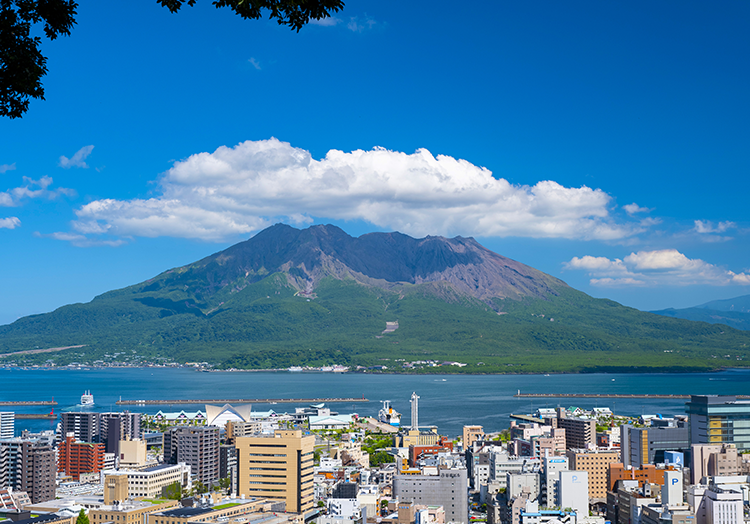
266,325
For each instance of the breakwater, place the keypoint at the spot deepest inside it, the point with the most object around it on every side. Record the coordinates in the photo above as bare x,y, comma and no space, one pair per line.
28,403
159,402
608,395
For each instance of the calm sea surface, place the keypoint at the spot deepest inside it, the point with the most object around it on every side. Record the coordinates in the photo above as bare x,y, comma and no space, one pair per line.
447,401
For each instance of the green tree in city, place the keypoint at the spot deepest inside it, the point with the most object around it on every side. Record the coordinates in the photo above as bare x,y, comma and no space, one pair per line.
82,517
173,491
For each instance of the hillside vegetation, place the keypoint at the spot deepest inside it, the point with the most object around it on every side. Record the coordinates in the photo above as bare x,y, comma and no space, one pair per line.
271,307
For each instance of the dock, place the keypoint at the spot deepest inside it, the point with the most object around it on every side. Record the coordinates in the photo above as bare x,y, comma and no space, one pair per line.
28,403
158,402
609,395
42,416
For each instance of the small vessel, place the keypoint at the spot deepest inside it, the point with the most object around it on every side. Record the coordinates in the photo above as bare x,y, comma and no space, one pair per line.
388,415
87,399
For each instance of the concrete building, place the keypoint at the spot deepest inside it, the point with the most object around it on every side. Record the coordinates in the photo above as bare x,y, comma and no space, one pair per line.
580,433
7,424
551,468
197,447
573,491
278,467
242,429
228,466
150,482
646,474
649,445
501,464
714,460
132,453
116,426
596,462
74,458
723,506
127,512
28,465
470,435
84,426
447,489
719,420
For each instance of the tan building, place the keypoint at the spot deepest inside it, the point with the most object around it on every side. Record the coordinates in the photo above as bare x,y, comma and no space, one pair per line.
221,511
278,467
132,453
596,463
471,434
242,429
128,512
415,437
150,482
115,489
715,460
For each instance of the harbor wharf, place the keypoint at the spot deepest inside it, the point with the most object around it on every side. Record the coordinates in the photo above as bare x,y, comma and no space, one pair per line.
607,395
159,402
28,403
40,416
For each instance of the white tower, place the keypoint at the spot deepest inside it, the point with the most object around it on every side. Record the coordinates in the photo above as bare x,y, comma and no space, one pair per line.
414,411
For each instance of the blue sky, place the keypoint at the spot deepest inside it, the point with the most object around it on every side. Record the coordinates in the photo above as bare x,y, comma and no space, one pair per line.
605,143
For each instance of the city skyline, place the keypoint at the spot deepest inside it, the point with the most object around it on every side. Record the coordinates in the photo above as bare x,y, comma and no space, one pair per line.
603,145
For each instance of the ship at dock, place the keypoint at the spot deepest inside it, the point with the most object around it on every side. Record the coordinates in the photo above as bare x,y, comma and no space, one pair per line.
388,415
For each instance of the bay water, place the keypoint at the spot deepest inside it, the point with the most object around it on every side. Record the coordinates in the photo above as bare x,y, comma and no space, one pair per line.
447,401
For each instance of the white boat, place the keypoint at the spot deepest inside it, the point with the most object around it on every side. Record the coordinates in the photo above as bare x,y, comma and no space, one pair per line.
388,415
87,399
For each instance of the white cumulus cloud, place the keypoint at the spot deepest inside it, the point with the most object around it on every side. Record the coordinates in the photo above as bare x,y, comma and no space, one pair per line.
659,267
4,168
326,22
10,223
241,189
707,227
632,209
32,189
77,160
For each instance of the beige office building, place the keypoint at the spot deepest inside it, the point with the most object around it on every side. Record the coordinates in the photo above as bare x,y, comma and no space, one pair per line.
278,467
596,462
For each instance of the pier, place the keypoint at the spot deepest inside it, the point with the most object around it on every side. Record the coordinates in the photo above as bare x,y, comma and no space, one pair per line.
28,403
28,416
238,401
608,395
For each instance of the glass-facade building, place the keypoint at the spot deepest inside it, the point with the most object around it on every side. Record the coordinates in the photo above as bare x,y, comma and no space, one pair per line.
719,419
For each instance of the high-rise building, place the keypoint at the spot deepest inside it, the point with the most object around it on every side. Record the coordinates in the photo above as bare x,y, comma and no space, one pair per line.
723,506
714,460
596,462
278,467
83,425
552,466
719,419
116,426
75,457
197,447
28,465
7,424
647,445
447,489
579,433
228,466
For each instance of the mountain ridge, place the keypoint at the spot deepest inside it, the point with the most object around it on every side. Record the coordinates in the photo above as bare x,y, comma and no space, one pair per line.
292,296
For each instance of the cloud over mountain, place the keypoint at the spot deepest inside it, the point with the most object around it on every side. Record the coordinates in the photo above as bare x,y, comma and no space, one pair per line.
658,267
241,189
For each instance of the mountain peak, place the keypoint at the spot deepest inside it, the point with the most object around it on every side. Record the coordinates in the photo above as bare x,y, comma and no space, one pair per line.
376,259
